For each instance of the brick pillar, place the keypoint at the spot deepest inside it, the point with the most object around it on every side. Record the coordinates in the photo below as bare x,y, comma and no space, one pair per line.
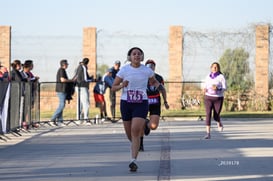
5,43
262,60
90,51
175,66
90,48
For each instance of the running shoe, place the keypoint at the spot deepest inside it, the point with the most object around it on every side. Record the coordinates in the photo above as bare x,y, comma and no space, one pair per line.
55,123
147,129
133,167
220,127
207,136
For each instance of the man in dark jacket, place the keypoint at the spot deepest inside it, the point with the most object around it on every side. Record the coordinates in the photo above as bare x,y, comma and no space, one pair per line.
83,79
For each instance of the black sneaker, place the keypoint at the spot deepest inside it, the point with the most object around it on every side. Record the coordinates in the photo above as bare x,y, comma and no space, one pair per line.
55,123
133,167
147,129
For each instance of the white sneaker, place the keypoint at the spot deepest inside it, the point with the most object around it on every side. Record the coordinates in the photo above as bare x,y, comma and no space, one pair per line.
220,127
207,136
61,124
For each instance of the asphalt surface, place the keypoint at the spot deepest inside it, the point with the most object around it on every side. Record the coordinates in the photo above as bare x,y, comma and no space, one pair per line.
175,151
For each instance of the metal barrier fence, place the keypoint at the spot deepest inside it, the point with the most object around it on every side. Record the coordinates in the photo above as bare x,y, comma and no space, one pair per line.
72,111
191,99
19,105
31,104
191,95
49,102
24,105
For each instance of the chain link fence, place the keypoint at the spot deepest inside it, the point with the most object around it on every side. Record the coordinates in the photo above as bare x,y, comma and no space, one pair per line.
201,48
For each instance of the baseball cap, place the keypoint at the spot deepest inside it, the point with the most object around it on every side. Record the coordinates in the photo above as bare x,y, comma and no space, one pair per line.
117,62
63,62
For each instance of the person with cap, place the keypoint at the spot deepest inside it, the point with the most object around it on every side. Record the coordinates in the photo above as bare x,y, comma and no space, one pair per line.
108,78
61,89
83,79
99,90
154,100
112,94
132,79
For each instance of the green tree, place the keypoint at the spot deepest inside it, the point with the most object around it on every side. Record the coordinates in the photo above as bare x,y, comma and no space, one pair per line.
235,67
101,69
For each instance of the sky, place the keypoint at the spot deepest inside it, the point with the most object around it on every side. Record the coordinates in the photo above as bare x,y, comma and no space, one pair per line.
57,18
68,17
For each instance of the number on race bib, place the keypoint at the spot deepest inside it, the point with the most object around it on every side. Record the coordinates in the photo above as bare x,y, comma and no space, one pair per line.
153,100
134,96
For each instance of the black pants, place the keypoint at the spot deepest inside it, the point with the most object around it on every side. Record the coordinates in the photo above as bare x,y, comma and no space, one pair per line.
213,104
113,103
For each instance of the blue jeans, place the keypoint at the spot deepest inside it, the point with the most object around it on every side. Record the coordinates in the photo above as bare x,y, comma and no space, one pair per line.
84,103
59,111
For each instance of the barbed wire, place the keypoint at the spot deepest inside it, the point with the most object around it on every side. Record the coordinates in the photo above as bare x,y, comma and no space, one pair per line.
200,49
203,48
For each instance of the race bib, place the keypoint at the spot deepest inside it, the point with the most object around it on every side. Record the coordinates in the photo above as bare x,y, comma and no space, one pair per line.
153,100
134,96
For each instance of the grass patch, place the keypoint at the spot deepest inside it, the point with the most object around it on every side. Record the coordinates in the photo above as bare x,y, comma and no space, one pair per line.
225,114
243,114
71,114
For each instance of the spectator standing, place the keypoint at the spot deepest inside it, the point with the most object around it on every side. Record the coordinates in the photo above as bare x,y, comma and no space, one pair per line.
61,89
4,97
27,68
214,88
4,74
32,79
30,90
112,94
99,90
17,76
83,79
132,79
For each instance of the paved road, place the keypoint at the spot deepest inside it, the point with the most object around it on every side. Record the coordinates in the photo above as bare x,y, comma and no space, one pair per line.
175,151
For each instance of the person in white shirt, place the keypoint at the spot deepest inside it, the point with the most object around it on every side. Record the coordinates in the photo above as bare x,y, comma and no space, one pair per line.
214,88
132,79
